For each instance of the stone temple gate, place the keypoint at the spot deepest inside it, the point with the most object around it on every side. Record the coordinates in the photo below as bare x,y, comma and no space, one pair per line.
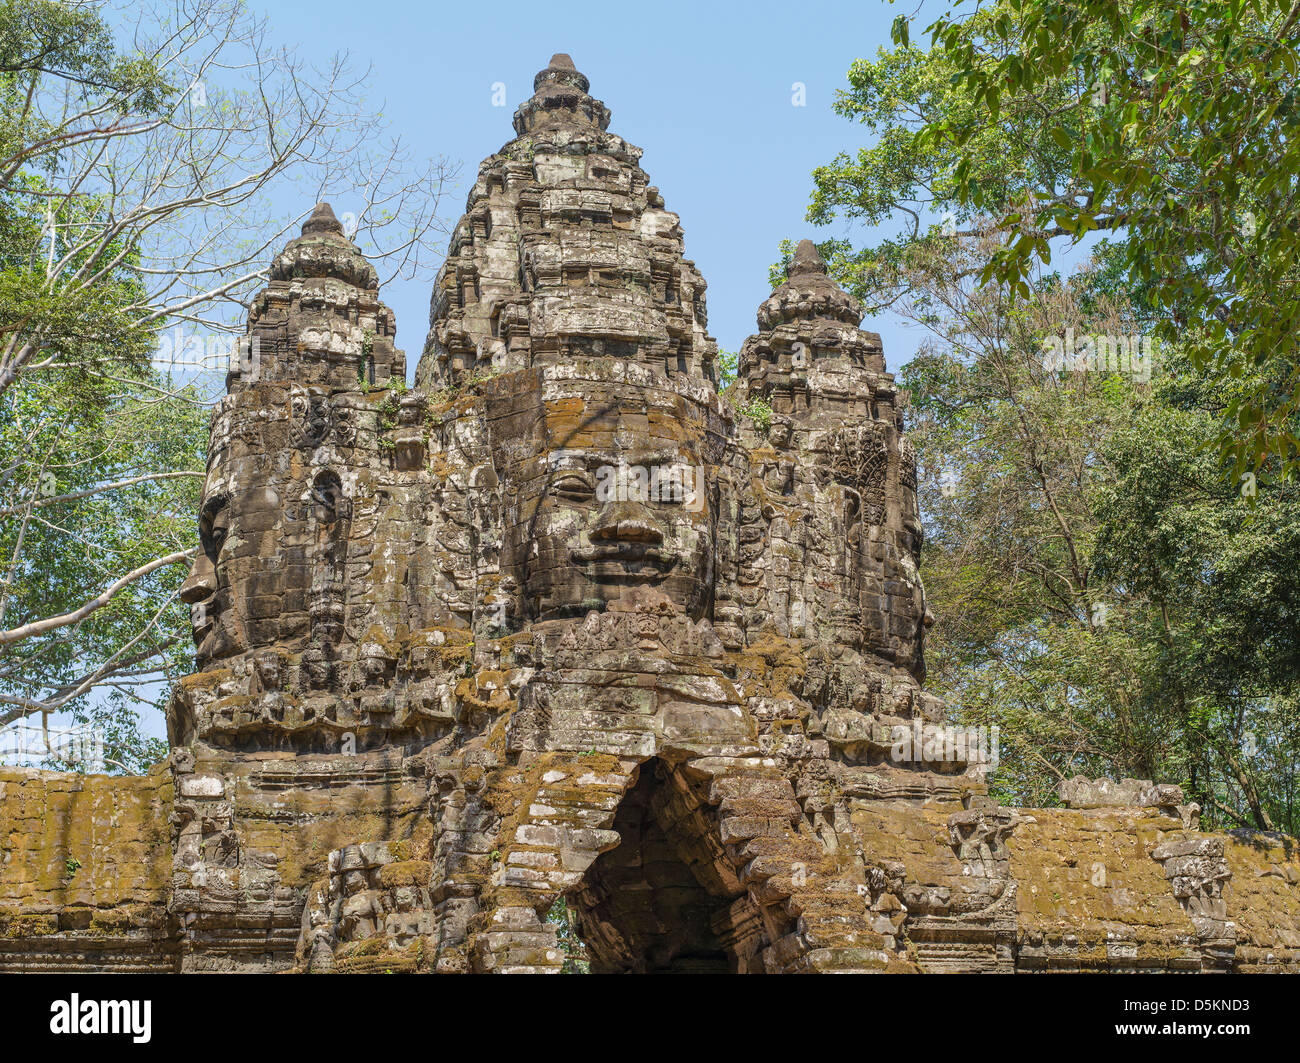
561,622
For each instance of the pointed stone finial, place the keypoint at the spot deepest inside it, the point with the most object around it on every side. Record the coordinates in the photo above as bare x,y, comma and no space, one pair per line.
309,255
322,220
808,292
559,99
561,72
807,259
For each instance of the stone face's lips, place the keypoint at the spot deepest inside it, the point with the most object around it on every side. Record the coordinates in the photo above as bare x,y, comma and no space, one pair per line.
625,562
214,638
201,620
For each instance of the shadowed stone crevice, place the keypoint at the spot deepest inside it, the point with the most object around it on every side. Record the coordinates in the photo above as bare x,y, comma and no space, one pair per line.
665,900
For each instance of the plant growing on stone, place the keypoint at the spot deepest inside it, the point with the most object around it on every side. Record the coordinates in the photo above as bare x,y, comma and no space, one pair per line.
759,411
575,952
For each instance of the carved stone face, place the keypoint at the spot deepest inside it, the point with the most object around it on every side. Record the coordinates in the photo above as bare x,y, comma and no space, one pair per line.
234,589
201,590
249,585
616,498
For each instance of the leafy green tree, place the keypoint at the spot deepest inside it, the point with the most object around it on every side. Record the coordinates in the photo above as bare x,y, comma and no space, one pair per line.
575,952
142,155
81,509
1170,126
1215,565
1104,596
726,369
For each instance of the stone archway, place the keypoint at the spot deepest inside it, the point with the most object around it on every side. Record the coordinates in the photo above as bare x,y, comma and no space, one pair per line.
666,899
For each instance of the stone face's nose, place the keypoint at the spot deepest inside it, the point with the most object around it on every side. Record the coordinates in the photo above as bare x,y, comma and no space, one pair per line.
627,522
201,582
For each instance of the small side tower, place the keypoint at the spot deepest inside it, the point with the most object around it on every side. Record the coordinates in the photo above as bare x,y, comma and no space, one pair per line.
297,596
319,322
826,435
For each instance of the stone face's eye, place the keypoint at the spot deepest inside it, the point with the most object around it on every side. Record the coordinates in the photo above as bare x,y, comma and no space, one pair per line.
213,528
572,487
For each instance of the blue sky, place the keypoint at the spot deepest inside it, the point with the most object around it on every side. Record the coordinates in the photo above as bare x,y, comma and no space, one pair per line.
703,88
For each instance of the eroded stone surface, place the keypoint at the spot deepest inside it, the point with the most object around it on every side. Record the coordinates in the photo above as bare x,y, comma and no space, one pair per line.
561,621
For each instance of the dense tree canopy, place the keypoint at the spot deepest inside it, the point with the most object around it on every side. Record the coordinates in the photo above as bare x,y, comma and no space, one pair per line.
1110,590
1171,126
1103,594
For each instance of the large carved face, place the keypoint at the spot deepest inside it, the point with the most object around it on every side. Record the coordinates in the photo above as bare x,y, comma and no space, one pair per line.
617,495
259,530
231,585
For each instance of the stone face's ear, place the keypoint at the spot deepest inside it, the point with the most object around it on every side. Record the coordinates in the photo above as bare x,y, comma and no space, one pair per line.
327,494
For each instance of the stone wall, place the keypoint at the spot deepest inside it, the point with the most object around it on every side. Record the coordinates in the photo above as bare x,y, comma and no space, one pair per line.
84,868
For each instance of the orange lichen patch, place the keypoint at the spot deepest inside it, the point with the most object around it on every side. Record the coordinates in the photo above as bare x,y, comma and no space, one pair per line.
918,839
208,680
1264,900
1089,876
85,866
292,823
379,955
769,664
485,691
83,840
405,873
558,801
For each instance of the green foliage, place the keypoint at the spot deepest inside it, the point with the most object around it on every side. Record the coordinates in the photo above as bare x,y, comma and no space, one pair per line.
759,411
64,435
1103,595
101,457
388,409
1170,126
1216,564
725,365
575,952
43,37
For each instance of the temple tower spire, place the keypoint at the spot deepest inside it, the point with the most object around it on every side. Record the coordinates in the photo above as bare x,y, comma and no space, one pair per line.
565,251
